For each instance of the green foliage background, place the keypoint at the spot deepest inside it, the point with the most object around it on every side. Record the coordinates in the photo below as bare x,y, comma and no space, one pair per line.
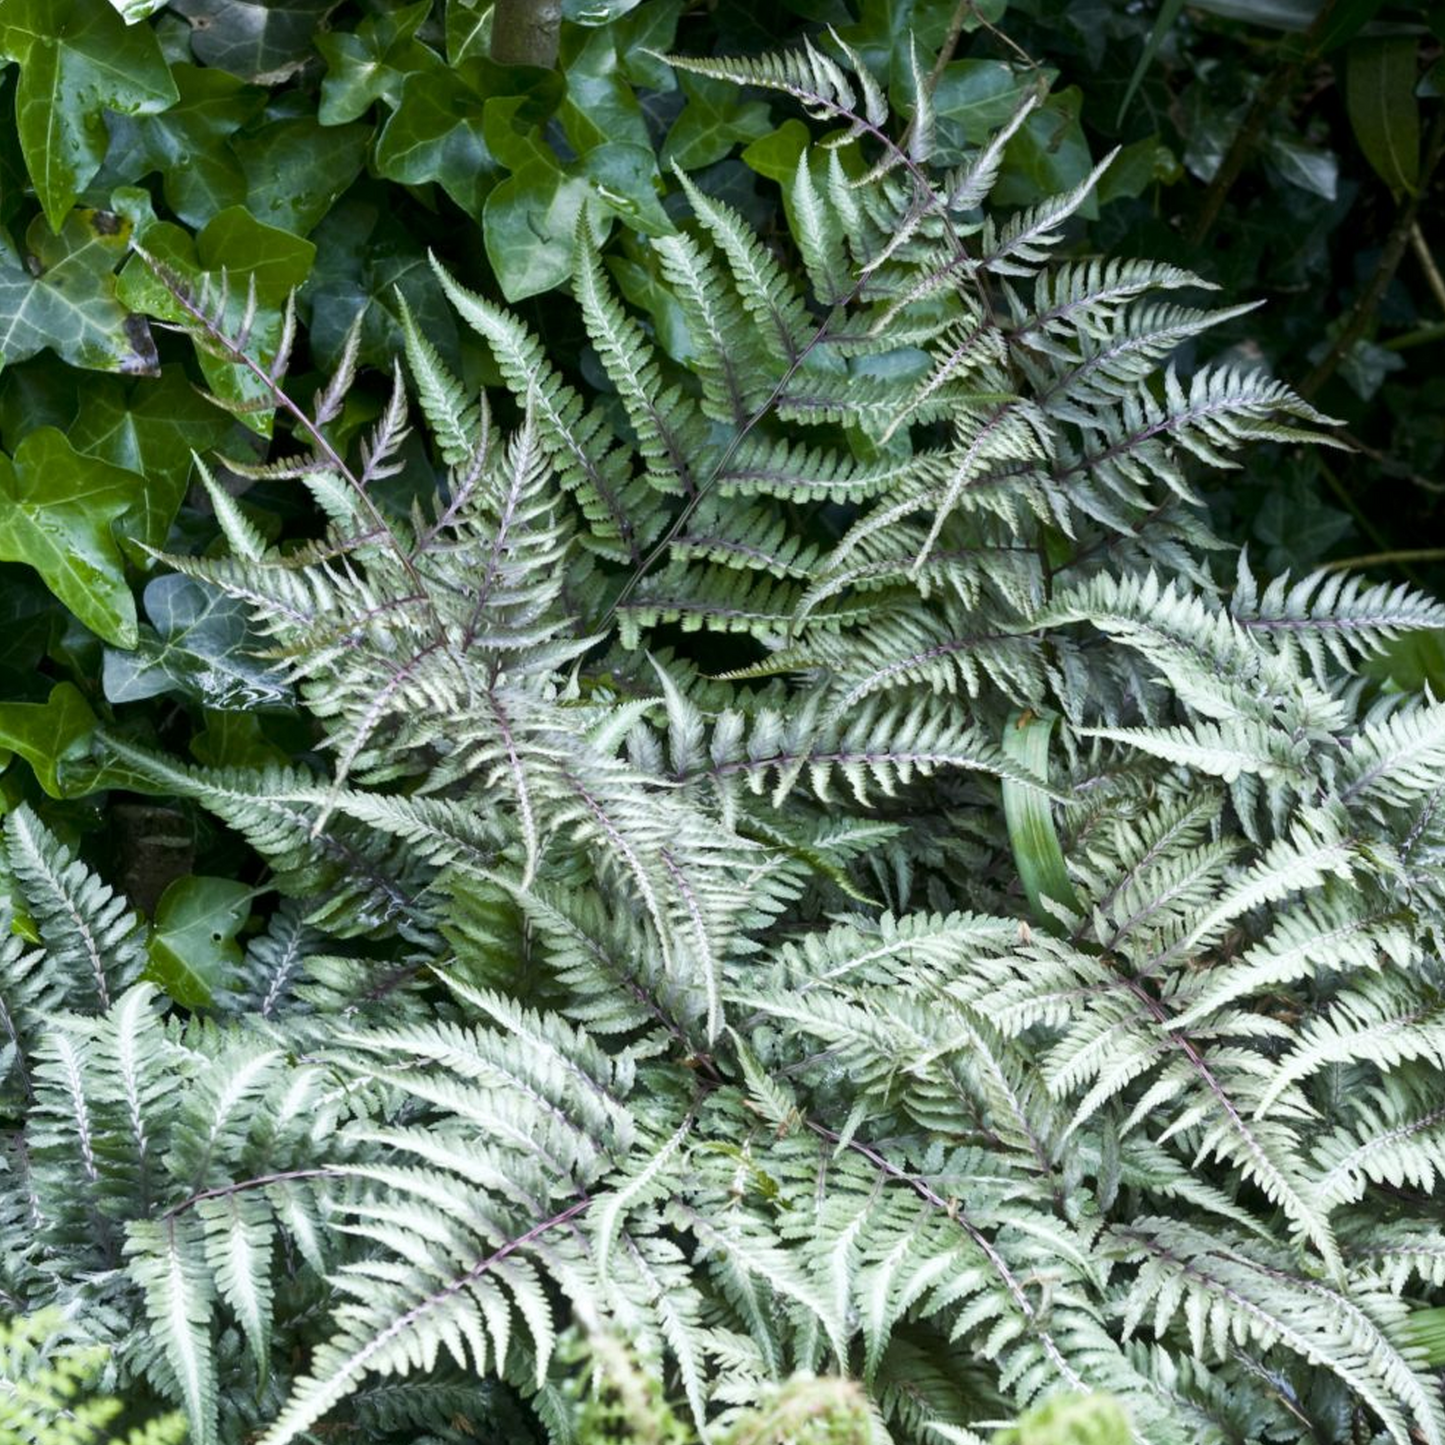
326,150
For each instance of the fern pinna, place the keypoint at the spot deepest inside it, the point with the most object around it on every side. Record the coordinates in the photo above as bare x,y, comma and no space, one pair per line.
660,968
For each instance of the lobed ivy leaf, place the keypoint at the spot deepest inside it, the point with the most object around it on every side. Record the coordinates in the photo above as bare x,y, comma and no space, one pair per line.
296,169
235,246
53,737
57,513
435,134
200,644
266,41
152,428
188,143
370,63
78,59
530,220
192,947
712,122
62,295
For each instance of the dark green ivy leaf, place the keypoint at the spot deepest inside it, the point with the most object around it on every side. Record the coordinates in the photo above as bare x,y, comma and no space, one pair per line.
77,60
193,944
265,41
530,221
149,427
295,170
57,510
370,63
436,134
62,294
50,736
713,121
187,144
200,644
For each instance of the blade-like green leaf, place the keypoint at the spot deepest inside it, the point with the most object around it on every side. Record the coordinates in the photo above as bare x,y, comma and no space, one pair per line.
1380,91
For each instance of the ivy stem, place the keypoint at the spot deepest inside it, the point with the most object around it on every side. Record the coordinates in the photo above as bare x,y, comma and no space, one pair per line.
1421,248
1362,313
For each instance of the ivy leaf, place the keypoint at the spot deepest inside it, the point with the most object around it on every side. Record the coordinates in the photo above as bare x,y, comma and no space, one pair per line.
57,510
200,174
364,256
530,220
132,11
49,735
295,170
199,644
63,295
595,12
151,428
1048,155
265,41
712,122
599,105
1380,97
193,946
249,254
370,63
435,134
235,740
77,60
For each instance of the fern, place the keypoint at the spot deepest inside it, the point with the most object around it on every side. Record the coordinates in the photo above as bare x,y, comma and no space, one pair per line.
654,962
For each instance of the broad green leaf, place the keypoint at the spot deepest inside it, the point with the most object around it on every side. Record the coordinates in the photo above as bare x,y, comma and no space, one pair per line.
77,60
62,294
776,155
57,513
435,134
295,170
625,181
1312,168
200,644
235,740
370,63
1029,816
53,737
599,104
266,41
187,144
530,220
1410,663
712,122
364,256
469,30
132,11
596,12
975,98
642,38
528,224
1380,93
1137,167
149,427
248,253
193,946
1048,155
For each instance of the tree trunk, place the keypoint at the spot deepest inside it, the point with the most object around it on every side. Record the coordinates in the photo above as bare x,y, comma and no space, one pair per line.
524,32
